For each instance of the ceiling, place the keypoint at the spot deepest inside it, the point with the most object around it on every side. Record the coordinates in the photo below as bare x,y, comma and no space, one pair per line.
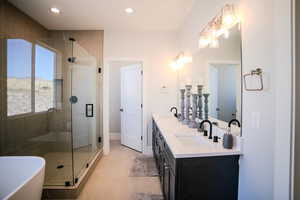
149,15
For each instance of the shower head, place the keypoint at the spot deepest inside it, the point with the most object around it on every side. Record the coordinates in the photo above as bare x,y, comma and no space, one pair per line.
72,39
72,59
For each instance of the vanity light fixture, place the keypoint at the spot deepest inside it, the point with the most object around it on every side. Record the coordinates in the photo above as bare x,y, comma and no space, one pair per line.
180,60
218,26
55,10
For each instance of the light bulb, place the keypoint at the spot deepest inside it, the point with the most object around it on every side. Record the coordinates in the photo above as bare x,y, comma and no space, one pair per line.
229,17
55,10
176,65
214,43
129,10
228,20
204,42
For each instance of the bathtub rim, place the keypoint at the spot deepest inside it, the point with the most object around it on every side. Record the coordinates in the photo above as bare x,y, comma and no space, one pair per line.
34,174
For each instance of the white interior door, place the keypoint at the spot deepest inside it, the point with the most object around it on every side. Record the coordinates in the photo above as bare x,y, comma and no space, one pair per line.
84,88
213,85
227,92
131,106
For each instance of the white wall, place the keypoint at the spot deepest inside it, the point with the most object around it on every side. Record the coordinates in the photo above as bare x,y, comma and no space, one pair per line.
297,105
155,50
284,88
114,97
264,167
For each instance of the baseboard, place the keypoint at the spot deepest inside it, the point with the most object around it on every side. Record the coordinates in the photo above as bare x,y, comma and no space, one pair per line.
115,136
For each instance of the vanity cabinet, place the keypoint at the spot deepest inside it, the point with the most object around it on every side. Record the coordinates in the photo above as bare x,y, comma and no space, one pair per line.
205,178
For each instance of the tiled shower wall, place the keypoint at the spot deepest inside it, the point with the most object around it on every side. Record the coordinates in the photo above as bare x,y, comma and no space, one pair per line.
15,132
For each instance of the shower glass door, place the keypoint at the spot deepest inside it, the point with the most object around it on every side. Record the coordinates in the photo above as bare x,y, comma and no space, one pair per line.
84,124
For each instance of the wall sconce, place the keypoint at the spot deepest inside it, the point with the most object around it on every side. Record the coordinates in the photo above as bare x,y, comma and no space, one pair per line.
179,61
218,26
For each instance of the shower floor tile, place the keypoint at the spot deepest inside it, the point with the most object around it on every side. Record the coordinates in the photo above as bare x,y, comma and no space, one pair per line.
58,176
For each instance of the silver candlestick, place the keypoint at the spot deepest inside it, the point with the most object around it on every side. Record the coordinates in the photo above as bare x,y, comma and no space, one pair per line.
193,123
182,92
206,105
200,103
187,104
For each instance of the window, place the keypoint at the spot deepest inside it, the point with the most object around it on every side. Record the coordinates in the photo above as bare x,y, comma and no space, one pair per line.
19,64
29,92
44,78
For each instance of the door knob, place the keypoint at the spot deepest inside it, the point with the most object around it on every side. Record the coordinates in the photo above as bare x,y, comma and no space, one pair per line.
121,109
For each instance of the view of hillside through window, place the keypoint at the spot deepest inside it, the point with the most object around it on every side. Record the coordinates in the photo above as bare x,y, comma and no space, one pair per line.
19,78
44,78
19,64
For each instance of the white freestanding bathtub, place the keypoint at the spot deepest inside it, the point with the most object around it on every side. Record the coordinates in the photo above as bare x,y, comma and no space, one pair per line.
21,177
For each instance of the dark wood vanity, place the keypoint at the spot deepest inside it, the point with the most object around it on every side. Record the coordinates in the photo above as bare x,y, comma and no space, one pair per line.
194,178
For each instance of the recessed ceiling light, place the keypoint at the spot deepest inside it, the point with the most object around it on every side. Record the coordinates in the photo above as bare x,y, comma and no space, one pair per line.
55,10
129,10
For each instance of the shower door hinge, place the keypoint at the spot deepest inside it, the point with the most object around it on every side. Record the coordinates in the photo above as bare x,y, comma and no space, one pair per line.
99,139
141,105
141,137
99,70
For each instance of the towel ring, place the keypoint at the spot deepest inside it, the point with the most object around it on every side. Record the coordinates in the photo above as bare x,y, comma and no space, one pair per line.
257,72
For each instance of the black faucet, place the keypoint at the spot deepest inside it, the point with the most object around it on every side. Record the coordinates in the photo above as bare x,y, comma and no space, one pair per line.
210,127
174,108
234,120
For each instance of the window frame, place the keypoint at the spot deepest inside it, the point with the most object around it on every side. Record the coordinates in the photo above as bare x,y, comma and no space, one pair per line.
54,72
33,56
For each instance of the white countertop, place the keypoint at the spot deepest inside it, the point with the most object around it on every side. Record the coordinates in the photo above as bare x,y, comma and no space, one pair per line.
185,142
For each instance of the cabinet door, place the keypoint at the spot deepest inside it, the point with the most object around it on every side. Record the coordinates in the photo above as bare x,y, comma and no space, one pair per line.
166,180
161,165
172,186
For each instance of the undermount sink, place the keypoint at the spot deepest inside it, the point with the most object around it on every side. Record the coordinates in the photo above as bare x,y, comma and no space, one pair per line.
183,134
22,177
193,140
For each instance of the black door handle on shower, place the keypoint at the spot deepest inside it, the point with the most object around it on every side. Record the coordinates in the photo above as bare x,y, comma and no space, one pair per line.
89,110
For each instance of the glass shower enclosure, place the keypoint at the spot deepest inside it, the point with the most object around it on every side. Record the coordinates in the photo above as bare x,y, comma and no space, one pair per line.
50,105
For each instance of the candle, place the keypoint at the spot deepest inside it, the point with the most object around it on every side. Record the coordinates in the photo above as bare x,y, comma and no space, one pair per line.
194,89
